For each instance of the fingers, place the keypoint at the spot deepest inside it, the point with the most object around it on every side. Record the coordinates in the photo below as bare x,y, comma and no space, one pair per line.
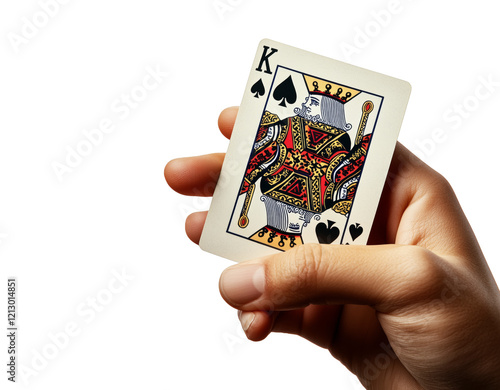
335,327
194,225
316,323
408,180
256,324
384,277
418,207
196,176
226,121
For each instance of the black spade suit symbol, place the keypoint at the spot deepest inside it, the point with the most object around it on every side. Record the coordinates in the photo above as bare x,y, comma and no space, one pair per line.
285,92
327,234
258,89
356,230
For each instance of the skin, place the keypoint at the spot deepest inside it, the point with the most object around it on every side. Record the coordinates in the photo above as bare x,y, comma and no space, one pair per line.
417,308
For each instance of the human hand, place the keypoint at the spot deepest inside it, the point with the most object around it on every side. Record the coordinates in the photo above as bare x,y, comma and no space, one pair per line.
418,308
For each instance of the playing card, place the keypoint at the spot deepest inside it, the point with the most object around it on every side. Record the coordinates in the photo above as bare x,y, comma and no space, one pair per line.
308,156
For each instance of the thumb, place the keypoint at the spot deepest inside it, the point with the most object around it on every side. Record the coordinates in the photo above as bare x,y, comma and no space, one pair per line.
385,277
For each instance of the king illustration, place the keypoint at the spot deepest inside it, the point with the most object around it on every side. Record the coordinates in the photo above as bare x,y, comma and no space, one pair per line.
305,164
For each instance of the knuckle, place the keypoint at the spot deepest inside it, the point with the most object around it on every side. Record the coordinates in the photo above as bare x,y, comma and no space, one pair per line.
425,274
437,186
303,266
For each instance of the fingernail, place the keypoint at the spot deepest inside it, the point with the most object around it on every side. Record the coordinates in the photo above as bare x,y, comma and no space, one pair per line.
241,284
246,319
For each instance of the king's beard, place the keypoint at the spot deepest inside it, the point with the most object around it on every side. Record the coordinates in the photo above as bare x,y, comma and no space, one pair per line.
302,112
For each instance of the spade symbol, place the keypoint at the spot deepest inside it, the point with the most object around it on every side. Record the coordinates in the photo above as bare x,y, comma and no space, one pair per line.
327,234
258,89
356,230
285,91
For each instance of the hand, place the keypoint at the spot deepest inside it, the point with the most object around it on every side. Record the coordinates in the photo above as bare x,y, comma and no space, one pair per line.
418,308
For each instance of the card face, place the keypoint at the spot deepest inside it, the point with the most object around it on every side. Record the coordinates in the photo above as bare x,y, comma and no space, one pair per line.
308,158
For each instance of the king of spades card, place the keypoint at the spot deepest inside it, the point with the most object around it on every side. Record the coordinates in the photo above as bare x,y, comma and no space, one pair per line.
306,162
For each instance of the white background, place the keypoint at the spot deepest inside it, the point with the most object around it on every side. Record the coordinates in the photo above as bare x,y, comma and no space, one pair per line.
65,240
